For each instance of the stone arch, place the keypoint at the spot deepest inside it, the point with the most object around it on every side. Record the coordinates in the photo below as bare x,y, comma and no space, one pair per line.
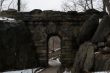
51,28
65,33
49,36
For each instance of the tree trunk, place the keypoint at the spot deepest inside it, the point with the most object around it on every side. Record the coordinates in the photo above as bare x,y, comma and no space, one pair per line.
91,4
87,5
107,4
104,7
19,5
1,4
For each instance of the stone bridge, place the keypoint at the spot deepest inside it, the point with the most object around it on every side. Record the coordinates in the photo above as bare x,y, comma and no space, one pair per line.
42,25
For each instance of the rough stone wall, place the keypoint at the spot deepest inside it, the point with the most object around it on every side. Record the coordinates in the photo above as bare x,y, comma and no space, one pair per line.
66,25
42,31
43,25
16,47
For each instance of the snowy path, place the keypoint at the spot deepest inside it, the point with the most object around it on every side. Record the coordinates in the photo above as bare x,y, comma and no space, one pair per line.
50,70
54,66
25,71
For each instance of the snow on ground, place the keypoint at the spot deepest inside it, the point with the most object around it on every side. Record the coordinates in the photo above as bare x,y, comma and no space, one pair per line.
67,71
54,62
26,71
7,19
57,49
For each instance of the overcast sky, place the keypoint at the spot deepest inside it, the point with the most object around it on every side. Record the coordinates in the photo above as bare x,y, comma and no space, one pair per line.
44,4
41,4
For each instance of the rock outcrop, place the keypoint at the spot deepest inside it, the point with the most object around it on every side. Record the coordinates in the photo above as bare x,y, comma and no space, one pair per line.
103,30
18,39
102,62
88,29
16,46
84,58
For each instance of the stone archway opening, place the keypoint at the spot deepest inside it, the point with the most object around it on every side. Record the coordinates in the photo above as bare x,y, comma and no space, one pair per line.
54,50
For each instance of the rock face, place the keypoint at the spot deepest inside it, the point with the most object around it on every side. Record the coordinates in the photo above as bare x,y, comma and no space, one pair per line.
16,46
103,30
43,25
84,58
66,25
102,62
88,29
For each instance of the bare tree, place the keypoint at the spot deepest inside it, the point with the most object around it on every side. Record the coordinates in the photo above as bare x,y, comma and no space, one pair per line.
74,4
82,5
1,4
91,1
107,5
13,4
67,6
10,4
19,5
24,6
86,4
104,7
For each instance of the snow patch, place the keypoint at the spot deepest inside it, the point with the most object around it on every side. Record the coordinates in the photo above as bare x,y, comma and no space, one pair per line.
7,19
36,70
67,71
57,49
100,20
55,62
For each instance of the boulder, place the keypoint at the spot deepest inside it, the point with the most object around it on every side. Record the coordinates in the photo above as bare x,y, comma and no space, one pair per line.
102,62
88,29
17,50
84,58
102,31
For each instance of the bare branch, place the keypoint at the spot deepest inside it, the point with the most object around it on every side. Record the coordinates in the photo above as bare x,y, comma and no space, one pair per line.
107,4
10,4
83,5
2,1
